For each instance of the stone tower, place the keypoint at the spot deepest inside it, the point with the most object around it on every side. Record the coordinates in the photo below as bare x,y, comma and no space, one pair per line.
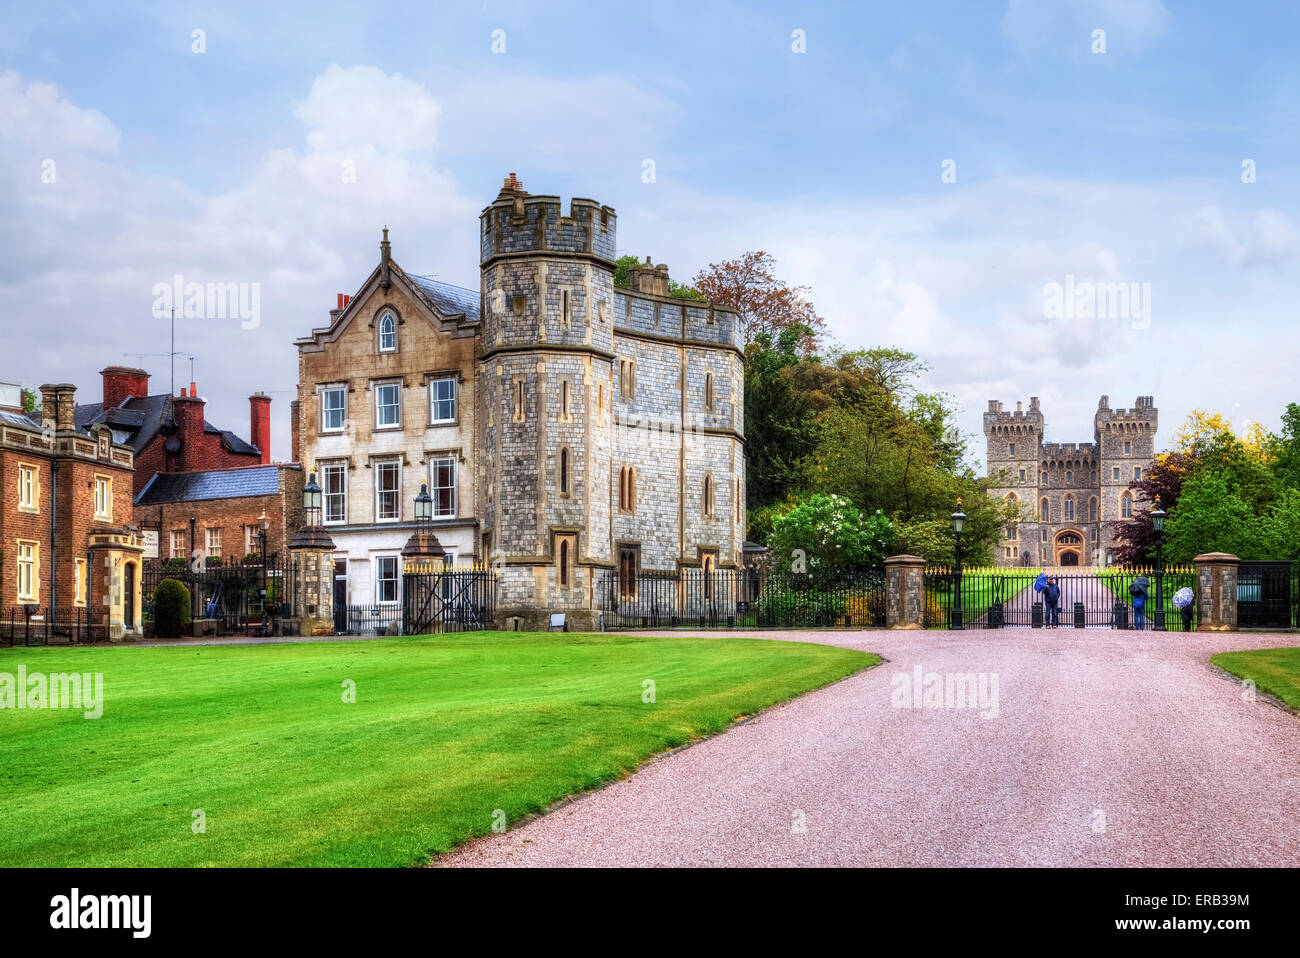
1014,442
1126,444
546,374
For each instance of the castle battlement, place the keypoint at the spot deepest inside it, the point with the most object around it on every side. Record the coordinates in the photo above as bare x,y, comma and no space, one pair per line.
1143,413
996,419
1066,450
519,222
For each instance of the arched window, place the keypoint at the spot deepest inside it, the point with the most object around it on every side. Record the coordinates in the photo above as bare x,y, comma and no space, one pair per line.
1126,506
627,489
387,333
1043,512
1069,508
1012,499
1092,509
707,566
707,498
564,472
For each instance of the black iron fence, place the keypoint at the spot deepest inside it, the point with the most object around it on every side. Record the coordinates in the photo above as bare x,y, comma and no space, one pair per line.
37,625
1090,598
244,597
1268,595
438,598
740,598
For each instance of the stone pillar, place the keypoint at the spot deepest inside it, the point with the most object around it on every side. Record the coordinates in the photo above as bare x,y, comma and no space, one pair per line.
1216,592
313,569
905,592
117,610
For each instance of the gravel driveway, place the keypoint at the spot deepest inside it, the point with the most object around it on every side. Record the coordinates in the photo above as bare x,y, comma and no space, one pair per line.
1104,748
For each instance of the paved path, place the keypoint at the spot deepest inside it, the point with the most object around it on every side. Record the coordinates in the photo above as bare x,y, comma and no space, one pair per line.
1133,727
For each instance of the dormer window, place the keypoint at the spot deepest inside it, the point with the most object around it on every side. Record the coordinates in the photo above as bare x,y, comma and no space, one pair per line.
387,333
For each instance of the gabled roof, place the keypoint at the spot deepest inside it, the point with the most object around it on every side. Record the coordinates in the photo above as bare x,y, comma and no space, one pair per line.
140,417
18,419
448,298
167,487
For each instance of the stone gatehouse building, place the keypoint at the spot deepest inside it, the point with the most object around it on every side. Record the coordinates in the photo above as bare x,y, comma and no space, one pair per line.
1066,492
565,426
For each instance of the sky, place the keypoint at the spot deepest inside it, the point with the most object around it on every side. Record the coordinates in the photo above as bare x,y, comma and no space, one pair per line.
938,174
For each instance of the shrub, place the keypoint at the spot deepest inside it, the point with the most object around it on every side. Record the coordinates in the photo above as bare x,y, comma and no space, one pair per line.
171,609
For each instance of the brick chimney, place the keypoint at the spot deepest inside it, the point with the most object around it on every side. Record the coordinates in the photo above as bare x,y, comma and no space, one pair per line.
188,413
259,433
123,382
58,401
295,438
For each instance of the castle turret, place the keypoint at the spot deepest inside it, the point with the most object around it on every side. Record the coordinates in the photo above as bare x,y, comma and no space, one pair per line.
548,292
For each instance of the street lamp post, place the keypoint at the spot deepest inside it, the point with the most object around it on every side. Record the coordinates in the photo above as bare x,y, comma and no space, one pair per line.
1158,517
958,523
263,524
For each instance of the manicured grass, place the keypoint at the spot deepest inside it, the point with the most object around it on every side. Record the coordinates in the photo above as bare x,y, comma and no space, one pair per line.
1276,671
444,731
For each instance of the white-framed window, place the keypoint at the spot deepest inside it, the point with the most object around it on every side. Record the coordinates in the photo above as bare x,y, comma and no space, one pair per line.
442,486
333,406
29,585
388,333
103,497
442,400
334,489
386,581
388,406
388,491
213,541
28,488
78,581
250,539
178,550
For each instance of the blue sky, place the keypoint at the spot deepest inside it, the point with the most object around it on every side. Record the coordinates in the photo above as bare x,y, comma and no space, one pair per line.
1122,166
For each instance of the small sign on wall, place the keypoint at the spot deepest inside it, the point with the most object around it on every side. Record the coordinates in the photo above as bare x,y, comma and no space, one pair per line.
149,539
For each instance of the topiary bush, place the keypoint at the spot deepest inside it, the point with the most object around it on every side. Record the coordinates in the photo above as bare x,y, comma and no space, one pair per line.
171,609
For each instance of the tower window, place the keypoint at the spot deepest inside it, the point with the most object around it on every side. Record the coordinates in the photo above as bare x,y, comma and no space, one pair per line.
564,472
707,498
708,390
1128,448
520,409
1069,508
1013,449
1043,512
1126,506
1092,510
627,489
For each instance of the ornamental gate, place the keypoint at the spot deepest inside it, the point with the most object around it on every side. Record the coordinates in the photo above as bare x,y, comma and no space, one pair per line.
438,598
1091,598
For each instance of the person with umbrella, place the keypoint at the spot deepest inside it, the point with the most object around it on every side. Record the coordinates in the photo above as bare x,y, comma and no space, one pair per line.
1052,603
1138,591
1184,601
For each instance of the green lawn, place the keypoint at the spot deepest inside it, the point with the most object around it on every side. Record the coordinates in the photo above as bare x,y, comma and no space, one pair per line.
1276,671
979,590
444,731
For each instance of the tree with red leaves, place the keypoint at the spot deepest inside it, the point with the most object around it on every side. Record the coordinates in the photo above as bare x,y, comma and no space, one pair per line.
1135,539
765,303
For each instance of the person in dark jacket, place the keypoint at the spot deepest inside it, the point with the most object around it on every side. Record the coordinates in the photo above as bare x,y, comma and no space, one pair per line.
1052,603
1138,592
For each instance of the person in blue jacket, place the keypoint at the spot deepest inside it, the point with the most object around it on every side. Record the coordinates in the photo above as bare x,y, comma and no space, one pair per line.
1138,592
1052,603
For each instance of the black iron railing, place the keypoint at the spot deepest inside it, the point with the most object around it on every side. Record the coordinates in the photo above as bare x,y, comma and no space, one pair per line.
228,590
739,598
37,625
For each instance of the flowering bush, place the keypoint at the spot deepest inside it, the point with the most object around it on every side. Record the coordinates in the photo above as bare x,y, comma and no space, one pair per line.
826,534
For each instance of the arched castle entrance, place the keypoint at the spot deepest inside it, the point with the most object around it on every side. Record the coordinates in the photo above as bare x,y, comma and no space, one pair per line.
1069,548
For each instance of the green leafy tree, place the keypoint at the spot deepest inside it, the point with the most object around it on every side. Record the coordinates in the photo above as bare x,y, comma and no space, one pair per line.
827,534
1210,518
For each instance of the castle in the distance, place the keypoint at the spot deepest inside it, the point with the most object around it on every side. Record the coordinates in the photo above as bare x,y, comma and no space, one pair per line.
1066,492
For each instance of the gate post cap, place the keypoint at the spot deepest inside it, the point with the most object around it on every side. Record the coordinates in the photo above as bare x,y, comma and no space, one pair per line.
905,560
1216,557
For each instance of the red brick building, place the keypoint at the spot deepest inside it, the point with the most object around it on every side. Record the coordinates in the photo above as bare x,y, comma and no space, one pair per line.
67,545
217,512
170,434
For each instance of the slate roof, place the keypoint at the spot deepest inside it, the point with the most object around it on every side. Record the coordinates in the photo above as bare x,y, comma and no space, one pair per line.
143,417
167,487
450,299
18,419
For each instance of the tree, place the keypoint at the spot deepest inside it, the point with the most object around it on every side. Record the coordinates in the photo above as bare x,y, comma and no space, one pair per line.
827,534
764,303
1135,539
780,429
1210,518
